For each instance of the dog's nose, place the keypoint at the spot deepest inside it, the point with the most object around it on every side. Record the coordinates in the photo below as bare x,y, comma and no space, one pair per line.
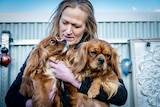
64,41
101,60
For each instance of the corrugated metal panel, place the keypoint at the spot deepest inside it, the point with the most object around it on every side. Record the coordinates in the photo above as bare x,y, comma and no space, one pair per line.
8,74
131,30
18,54
105,30
26,30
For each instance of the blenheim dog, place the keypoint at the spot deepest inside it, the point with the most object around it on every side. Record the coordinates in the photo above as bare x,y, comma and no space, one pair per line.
97,60
37,80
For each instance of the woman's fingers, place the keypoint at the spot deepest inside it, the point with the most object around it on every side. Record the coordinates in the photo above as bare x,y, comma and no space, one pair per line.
53,59
52,94
52,70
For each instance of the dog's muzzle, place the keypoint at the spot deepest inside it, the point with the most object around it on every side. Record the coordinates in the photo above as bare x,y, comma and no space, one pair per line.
64,41
100,61
66,45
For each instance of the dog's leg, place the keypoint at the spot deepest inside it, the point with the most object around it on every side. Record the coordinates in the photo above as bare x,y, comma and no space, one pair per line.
110,88
41,97
57,101
94,88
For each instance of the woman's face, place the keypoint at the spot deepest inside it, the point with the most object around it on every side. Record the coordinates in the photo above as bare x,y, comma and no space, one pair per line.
72,25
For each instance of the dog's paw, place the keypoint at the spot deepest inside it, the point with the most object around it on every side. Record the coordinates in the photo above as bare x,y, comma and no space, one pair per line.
79,78
92,93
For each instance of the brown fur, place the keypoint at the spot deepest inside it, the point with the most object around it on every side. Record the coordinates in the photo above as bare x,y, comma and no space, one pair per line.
99,61
37,81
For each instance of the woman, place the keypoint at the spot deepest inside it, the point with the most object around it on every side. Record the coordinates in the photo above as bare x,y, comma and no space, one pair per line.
73,21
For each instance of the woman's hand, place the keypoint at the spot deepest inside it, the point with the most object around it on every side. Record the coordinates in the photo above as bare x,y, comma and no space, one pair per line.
29,103
62,72
52,94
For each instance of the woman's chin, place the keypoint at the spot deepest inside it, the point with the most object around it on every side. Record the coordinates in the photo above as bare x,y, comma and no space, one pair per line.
70,43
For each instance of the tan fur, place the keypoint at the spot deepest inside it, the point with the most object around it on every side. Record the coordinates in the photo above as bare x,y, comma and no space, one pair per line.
99,61
37,80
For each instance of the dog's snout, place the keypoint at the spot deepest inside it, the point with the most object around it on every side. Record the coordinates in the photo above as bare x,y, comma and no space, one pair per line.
101,60
64,41
66,45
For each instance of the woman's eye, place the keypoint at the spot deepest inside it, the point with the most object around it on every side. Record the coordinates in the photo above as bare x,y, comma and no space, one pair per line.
64,22
53,41
76,26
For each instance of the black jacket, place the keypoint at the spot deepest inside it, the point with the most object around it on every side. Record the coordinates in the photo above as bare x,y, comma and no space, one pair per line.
15,99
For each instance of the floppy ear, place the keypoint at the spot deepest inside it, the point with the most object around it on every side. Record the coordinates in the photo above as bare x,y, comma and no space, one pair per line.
80,59
115,62
27,88
36,60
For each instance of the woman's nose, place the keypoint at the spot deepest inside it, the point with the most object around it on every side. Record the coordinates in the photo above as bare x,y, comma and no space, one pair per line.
69,29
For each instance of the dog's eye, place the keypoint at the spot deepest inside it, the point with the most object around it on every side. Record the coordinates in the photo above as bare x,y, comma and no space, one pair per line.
93,53
53,41
108,56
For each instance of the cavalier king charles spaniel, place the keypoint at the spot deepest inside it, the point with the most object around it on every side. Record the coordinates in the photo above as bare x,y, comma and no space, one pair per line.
37,80
98,60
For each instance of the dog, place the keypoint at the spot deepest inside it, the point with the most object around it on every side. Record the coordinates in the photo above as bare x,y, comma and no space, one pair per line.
98,60
37,80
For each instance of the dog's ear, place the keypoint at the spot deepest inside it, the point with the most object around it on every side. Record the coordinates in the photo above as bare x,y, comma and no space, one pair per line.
36,60
27,88
115,62
80,59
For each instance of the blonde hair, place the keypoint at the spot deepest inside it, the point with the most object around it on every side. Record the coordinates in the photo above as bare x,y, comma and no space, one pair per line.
85,5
